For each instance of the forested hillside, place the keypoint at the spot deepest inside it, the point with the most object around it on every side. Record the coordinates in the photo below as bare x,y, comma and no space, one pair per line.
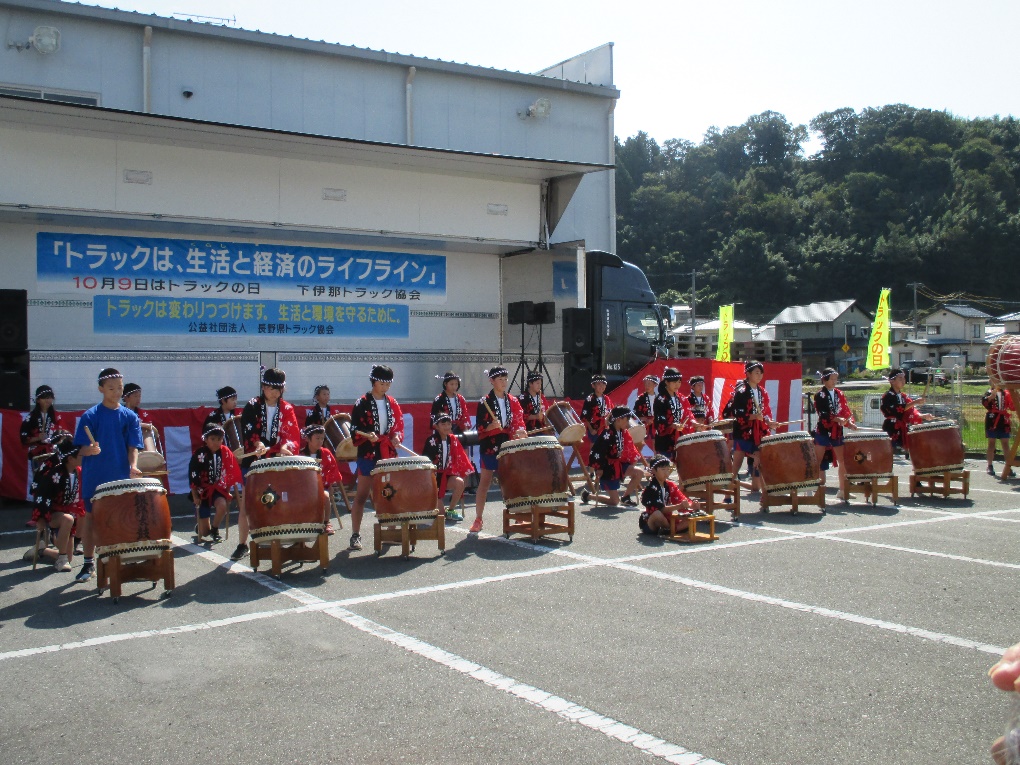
895,195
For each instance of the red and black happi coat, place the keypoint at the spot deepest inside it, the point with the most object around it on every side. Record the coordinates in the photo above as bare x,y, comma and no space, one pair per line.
534,408
669,411
700,408
218,417
595,413
143,415
1000,408
830,404
40,423
898,417
644,411
318,415
331,472
282,430
657,496
55,489
365,418
510,421
213,472
447,455
456,407
612,450
746,401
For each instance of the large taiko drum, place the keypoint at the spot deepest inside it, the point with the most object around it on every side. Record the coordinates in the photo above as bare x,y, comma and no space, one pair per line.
131,519
339,438
532,471
1003,361
404,489
702,458
788,463
151,459
935,447
565,423
284,499
234,437
867,455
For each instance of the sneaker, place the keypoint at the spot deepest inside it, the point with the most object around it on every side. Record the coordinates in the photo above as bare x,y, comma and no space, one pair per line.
61,564
629,501
88,570
476,526
584,496
991,470
356,542
1011,474
454,515
239,552
214,536
329,528
79,548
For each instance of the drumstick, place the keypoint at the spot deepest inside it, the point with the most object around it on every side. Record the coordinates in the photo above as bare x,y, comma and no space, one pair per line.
539,430
412,451
788,422
89,434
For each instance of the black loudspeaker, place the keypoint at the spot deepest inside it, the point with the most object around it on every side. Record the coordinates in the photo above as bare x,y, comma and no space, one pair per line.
14,388
545,313
13,320
577,330
522,312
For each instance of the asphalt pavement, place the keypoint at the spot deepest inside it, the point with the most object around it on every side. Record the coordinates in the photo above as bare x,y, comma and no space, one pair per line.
859,636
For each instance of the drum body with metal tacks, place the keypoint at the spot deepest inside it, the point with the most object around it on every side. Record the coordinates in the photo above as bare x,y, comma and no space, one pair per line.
131,519
867,455
404,489
702,458
232,429
788,463
284,499
565,423
935,447
151,459
532,471
339,437
1003,361
469,438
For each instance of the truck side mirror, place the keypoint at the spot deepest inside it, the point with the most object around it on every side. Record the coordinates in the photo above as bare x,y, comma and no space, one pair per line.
670,341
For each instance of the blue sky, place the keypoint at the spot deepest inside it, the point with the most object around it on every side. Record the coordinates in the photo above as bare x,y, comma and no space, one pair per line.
683,66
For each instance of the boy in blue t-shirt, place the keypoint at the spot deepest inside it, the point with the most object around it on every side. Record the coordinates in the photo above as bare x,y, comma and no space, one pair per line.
110,449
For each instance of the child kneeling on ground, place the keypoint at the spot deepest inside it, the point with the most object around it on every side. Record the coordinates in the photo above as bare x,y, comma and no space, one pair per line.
213,473
661,497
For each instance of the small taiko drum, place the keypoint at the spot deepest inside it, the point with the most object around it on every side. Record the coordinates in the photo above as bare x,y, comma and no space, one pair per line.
532,471
565,423
131,519
404,489
233,430
702,458
151,459
935,447
469,438
284,499
867,455
787,462
637,431
338,436
1003,361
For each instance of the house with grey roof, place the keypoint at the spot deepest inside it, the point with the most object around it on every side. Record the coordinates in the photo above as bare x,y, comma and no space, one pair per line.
824,329
1010,322
948,330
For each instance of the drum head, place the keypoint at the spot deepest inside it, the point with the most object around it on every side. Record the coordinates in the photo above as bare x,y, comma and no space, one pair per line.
151,462
571,434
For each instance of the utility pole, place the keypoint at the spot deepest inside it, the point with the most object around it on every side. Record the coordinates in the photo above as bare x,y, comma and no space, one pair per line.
915,285
694,305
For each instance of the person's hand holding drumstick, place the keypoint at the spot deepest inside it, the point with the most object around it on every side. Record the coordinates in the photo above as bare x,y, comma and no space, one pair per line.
93,448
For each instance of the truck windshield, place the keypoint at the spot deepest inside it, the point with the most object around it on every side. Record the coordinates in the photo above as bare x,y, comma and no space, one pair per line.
644,324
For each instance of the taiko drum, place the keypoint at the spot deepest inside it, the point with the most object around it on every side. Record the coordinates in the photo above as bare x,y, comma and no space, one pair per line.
284,498
1003,361
787,462
338,435
129,511
566,423
532,471
404,488
867,455
935,447
703,457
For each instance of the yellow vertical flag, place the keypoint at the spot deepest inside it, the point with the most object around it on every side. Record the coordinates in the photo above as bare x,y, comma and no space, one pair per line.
725,332
878,345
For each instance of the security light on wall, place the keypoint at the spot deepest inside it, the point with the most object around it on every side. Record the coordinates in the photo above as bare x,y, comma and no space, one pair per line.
538,110
44,40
